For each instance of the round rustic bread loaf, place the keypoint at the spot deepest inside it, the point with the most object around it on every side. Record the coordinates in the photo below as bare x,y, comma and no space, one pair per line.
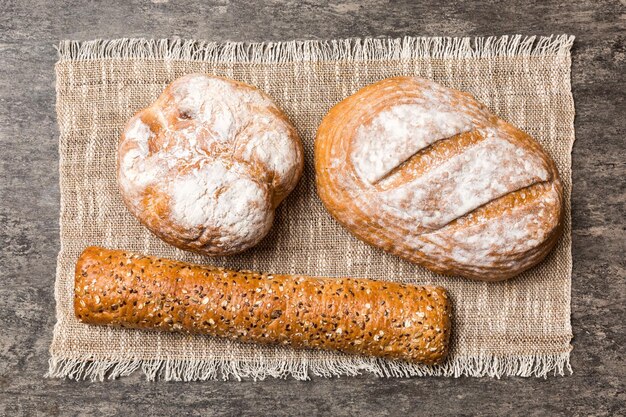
205,166
431,175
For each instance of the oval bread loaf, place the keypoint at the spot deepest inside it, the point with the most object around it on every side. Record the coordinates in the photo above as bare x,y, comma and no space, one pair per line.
431,175
358,316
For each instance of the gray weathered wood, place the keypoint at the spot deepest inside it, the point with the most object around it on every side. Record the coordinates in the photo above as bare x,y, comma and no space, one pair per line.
29,206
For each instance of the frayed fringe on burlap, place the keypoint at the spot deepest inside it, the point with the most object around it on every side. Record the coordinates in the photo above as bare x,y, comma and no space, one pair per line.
313,50
260,368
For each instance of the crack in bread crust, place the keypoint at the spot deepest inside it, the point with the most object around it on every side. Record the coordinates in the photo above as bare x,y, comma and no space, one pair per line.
415,162
454,165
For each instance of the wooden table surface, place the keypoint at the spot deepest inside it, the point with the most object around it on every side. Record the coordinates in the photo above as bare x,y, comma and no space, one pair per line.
29,206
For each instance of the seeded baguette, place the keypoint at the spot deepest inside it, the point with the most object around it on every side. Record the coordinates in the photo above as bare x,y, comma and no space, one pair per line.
358,316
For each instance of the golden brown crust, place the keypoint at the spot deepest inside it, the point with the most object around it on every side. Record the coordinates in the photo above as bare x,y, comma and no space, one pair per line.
429,174
207,163
358,316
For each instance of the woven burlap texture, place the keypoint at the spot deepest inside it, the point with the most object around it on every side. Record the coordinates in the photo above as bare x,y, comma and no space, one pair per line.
518,327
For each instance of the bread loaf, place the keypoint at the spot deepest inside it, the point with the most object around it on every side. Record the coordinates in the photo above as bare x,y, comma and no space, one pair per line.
358,316
207,163
431,175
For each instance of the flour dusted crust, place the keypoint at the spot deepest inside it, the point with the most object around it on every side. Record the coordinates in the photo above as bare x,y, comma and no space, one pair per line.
205,166
431,175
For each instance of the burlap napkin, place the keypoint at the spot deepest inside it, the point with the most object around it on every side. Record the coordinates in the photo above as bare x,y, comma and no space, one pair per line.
518,327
